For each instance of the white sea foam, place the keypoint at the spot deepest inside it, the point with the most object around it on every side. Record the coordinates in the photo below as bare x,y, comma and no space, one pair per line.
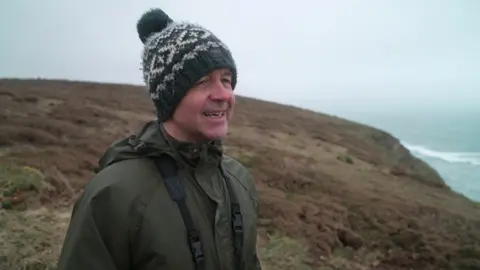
472,158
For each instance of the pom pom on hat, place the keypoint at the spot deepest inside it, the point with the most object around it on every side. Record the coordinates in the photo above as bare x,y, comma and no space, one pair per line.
152,21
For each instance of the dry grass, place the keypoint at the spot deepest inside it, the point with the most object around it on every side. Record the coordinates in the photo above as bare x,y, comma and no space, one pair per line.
30,239
282,252
334,194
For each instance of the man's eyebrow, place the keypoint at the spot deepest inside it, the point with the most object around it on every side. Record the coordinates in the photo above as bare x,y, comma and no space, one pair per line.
228,73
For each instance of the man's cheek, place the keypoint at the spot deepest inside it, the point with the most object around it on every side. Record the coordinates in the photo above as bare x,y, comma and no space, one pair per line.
232,101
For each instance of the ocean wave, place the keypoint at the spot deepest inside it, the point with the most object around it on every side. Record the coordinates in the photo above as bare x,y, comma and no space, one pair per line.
472,158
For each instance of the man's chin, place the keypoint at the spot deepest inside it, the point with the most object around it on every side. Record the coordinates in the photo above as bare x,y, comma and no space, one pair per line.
213,135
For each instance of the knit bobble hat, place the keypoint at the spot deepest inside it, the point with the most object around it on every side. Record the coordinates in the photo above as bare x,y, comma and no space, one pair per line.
175,56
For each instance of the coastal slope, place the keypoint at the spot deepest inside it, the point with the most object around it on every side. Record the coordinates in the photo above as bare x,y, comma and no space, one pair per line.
334,193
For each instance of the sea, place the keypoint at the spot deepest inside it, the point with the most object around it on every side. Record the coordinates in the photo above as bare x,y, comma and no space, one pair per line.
447,140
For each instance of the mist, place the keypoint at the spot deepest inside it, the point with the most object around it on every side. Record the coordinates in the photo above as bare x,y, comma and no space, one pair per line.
332,56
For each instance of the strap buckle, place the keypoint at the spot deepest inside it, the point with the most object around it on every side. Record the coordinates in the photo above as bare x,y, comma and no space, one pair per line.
196,248
237,219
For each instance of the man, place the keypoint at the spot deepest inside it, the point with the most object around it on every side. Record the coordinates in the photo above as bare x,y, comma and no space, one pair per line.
132,214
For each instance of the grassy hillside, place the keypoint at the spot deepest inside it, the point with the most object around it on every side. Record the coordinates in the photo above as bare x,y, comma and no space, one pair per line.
334,194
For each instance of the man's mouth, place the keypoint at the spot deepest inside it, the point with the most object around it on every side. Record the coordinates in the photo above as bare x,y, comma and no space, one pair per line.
214,114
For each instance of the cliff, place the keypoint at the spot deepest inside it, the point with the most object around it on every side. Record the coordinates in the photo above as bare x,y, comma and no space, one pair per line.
334,193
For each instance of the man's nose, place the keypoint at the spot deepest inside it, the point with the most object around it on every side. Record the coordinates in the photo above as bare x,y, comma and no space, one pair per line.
221,92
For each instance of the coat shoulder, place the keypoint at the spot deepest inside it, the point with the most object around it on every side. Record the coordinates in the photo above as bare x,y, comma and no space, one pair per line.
241,174
128,173
123,182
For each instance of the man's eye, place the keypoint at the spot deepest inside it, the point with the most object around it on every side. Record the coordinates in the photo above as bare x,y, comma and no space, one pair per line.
201,82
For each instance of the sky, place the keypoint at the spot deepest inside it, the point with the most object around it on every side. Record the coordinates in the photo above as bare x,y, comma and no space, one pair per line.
331,56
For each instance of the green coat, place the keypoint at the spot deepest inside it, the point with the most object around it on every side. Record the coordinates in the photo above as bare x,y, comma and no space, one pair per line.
125,218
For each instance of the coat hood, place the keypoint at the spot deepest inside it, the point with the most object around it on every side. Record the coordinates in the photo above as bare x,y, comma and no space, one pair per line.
153,141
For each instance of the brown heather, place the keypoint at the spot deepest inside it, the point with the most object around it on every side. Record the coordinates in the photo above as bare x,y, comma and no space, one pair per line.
335,194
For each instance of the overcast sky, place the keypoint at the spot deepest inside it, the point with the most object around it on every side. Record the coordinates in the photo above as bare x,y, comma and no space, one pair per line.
326,55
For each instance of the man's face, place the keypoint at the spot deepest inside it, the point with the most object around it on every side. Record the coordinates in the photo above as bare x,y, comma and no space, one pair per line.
204,112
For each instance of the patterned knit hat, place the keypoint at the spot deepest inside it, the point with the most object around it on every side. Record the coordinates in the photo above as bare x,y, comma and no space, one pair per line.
175,56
